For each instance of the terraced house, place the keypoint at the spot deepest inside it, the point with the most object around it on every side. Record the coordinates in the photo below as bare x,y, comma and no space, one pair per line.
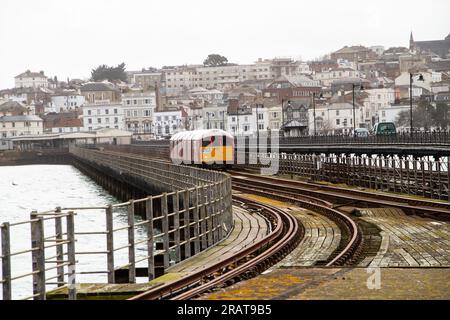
12,126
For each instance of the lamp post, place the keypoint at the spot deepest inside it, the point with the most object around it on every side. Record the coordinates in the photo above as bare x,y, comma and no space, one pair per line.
411,78
361,87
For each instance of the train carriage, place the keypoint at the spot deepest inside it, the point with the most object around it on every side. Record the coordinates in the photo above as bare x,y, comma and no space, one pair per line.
212,147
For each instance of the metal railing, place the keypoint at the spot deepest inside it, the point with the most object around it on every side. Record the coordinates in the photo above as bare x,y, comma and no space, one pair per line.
195,214
63,261
440,137
425,177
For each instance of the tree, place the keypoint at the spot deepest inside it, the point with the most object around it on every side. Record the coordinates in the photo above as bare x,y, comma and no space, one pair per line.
111,74
422,116
441,115
215,60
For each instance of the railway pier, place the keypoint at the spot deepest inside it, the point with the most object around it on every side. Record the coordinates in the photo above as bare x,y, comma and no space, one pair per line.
325,227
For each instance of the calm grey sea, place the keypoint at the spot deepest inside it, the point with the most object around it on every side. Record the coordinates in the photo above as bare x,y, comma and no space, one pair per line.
44,187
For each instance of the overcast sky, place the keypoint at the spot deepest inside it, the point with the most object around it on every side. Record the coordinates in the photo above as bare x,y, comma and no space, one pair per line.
69,38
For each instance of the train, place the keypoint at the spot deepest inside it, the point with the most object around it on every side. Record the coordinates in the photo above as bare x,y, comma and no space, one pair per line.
212,148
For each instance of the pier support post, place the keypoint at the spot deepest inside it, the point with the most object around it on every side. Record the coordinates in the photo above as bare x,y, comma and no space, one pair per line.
187,222
59,248
196,222
38,255
176,225
165,229
110,244
6,261
131,245
71,256
150,254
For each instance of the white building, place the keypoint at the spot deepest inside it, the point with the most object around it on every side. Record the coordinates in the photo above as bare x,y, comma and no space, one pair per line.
242,122
167,123
30,79
274,118
215,117
428,77
12,126
138,108
66,101
380,98
211,96
336,118
327,77
96,116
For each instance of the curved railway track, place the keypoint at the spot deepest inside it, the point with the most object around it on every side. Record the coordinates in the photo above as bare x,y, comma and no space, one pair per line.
284,237
343,196
352,240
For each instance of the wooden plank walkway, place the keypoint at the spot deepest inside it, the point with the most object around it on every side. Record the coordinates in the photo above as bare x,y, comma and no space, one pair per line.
322,236
409,241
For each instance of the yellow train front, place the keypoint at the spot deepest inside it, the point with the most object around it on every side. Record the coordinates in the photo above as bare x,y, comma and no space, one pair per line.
212,148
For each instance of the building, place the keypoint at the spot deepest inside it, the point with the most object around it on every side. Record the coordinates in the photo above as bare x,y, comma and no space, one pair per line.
335,118
373,101
215,116
13,108
63,123
138,108
390,113
295,117
241,120
274,118
30,79
211,96
167,123
438,47
66,101
287,87
96,116
12,126
100,93
354,53
146,79
326,78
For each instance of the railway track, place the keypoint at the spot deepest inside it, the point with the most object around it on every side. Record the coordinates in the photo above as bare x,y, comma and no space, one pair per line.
344,196
252,260
351,243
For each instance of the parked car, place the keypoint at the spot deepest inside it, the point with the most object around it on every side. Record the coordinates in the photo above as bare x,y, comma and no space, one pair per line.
360,133
384,128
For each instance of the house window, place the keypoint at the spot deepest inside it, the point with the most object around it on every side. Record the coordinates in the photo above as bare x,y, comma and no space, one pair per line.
99,120
89,121
338,121
107,111
337,112
115,111
89,112
116,120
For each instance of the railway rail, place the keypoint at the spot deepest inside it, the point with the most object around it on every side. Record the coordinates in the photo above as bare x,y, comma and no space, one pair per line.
351,243
346,196
286,234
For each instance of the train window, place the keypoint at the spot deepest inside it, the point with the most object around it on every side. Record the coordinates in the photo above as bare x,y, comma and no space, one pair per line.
210,142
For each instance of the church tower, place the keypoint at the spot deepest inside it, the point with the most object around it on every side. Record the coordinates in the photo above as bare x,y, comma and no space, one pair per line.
411,42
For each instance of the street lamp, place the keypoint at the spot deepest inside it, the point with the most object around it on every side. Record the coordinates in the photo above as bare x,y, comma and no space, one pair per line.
361,87
411,77
314,109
